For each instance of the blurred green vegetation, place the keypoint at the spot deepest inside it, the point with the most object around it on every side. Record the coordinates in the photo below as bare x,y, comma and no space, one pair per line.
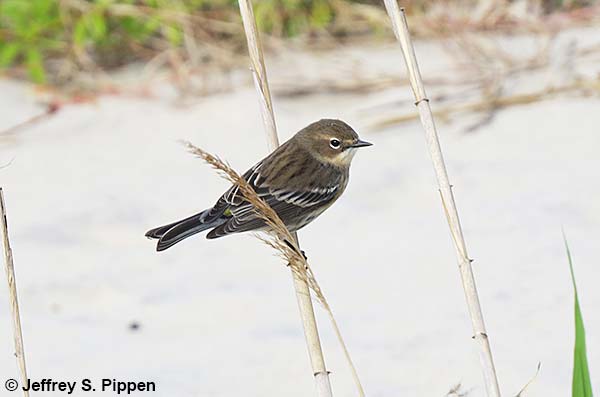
32,31
59,37
113,32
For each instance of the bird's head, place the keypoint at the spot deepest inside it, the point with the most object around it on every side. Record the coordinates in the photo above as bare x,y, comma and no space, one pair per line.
331,141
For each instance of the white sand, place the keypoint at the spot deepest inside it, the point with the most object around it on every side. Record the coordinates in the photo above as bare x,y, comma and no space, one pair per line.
219,318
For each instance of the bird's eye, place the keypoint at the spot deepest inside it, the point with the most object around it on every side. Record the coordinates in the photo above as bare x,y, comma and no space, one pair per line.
335,144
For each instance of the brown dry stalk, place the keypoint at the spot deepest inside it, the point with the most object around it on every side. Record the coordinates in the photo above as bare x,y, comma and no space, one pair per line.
494,103
480,336
301,287
50,110
12,291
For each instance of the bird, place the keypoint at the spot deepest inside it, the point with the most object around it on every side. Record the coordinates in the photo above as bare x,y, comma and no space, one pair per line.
300,180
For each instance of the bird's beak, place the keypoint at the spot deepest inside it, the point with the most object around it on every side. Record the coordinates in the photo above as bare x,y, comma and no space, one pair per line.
360,143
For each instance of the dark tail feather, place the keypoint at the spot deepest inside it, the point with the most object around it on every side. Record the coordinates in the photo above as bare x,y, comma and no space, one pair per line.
158,232
171,234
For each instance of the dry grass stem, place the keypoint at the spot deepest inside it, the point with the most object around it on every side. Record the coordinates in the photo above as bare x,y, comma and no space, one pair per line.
493,103
305,306
400,27
13,299
259,73
457,391
50,110
521,392
302,274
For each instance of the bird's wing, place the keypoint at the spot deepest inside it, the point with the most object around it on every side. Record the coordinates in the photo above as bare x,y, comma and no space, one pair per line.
303,198
287,203
232,196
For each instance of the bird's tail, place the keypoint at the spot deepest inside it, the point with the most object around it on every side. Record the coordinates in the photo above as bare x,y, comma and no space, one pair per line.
171,234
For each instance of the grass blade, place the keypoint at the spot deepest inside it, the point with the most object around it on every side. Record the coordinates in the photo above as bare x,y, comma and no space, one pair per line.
582,385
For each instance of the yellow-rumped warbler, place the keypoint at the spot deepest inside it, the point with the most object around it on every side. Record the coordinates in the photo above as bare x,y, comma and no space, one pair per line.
299,180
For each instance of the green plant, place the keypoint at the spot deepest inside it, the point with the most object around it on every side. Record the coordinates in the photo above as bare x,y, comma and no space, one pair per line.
106,33
582,385
83,33
291,17
29,30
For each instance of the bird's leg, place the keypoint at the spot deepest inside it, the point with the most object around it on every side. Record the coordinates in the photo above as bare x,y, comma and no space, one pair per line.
289,244
293,247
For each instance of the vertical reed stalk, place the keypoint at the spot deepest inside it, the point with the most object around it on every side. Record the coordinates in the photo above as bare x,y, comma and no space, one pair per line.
12,293
400,28
305,305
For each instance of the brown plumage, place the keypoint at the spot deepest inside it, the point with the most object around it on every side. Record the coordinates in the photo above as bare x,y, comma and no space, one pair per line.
299,180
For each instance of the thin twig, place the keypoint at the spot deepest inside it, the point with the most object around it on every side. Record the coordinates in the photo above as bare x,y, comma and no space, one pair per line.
7,164
50,110
400,27
457,391
524,388
12,291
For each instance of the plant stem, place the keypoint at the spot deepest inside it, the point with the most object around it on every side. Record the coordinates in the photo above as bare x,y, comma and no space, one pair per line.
311,333
305,305
400,27
12,291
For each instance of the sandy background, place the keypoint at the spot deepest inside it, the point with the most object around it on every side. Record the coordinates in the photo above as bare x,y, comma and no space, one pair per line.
219,318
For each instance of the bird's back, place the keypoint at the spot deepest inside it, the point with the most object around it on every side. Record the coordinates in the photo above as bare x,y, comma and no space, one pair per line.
293,182
293,167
